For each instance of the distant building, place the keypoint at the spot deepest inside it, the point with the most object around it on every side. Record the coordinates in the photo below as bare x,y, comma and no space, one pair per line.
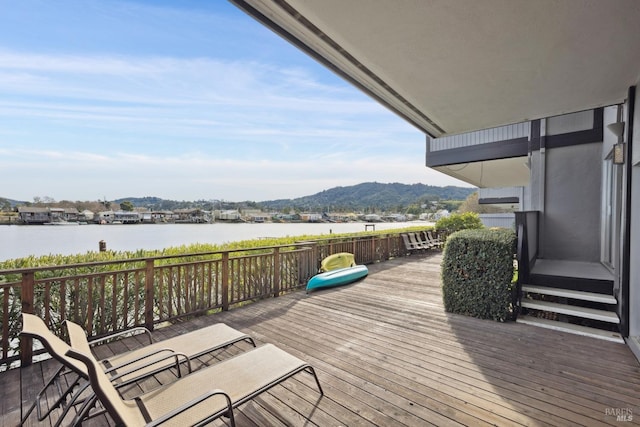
70,215
127,217
104,217
257,217
192,216
86,215
229,215
311,217
442,213
30,215
372,218
395,218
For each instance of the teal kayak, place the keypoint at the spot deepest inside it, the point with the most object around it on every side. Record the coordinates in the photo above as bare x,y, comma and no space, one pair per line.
339,277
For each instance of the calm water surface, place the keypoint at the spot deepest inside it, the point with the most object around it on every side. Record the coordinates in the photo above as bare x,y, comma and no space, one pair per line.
17,241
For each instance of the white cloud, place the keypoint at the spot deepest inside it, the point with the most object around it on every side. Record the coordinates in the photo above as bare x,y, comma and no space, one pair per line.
183,124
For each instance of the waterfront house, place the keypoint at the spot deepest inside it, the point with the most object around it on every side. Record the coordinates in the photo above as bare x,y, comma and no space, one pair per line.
257,217
32,215
395,217
160,216
69,214
538,98
127,217
104,217
192,216
311,217
86,215
228,215
372,218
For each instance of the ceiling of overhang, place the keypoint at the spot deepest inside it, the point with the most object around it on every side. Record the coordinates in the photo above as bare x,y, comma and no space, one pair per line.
454,66
512,172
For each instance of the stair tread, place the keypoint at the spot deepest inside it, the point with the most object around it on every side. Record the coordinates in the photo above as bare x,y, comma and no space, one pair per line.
567,293
571,328
589,313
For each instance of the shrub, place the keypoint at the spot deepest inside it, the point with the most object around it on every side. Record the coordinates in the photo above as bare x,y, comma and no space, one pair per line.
477,273
457,222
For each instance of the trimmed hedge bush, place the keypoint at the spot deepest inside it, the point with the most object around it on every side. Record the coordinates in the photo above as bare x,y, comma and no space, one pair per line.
459,221
477,273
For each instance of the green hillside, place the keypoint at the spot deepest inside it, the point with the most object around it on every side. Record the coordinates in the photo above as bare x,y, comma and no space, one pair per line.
365,197
371,196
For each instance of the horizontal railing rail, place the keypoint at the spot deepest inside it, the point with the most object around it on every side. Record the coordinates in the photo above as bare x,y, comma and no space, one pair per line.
112,296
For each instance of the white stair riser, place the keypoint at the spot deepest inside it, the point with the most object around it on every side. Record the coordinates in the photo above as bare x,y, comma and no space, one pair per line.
571,328
587,313
565,293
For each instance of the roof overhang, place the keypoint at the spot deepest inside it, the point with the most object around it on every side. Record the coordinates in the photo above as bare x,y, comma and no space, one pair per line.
454,66
490,173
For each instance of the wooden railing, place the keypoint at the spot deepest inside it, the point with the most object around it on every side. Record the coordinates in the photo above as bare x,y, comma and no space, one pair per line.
113,296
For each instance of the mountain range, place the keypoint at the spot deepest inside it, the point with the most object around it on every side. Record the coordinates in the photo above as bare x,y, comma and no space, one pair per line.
368,196
371,195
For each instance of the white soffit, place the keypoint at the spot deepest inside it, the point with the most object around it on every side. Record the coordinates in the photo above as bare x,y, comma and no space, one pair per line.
454,66
491,173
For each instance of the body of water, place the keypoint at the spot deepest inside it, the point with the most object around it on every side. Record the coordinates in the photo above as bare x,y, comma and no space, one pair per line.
18,241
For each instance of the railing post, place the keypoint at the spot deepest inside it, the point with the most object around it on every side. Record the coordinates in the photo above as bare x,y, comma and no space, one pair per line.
26,296
374,249
225,281
276,272
149,293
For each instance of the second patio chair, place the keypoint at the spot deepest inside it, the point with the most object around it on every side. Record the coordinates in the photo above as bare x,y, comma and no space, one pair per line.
161,355
201,397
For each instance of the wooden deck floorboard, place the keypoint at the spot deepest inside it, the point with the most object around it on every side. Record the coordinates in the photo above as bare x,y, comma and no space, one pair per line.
387,353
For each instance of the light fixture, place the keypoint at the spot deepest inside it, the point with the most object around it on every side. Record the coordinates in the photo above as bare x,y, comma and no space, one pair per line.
618,153
617,129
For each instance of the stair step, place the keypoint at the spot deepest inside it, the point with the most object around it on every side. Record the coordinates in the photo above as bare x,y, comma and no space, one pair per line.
572,310
571,328
567,293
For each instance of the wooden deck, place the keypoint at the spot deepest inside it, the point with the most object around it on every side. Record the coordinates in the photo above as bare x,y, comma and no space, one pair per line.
387,354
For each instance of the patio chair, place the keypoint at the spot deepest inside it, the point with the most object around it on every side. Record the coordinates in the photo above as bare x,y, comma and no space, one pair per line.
408,244
159,356
124,368
200,397
436,240
419,242
34,327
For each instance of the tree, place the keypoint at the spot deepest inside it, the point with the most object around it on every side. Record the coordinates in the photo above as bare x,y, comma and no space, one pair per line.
126,206
414,209
456,222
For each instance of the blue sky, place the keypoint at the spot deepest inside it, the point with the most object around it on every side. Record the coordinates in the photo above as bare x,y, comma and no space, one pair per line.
181,100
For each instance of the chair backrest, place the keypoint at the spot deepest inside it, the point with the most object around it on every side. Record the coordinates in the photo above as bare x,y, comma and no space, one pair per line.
77,337
35,327
123,413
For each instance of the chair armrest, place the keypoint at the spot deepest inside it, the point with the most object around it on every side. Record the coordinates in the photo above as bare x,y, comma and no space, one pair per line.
140,358
173,355
182,408
123,334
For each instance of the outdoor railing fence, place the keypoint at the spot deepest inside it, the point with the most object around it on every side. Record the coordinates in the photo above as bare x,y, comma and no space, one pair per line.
113,296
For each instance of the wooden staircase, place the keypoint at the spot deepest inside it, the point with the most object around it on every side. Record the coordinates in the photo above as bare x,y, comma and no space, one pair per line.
574,297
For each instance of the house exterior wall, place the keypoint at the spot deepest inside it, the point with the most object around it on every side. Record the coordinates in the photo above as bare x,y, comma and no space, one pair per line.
503,220
571,229
633,222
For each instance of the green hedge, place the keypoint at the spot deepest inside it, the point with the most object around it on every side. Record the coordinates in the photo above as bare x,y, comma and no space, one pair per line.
459,221
477,273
